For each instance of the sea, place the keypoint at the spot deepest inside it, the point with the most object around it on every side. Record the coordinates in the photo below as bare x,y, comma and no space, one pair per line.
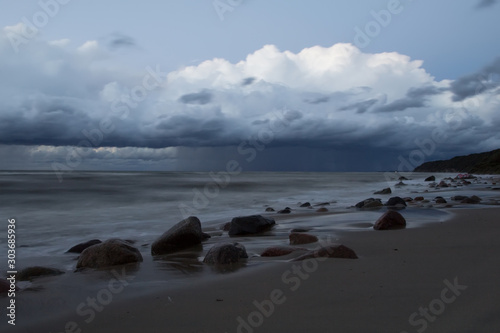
51,214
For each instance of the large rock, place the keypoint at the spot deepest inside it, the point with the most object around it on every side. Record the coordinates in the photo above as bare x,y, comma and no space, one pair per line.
384,191
109,253
5,286
186,233
279,251
78,248
430,179
396,202
369,203
332,251
252,224
30,273
390,220
225,253
300,238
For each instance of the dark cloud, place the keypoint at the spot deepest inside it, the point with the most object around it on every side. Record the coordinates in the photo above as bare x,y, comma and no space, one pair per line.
360,107
121,41
200,98
486,3
477,83
415,98
319,100
248,81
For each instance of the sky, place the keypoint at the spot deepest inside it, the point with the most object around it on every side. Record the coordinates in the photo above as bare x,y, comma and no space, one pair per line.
273,85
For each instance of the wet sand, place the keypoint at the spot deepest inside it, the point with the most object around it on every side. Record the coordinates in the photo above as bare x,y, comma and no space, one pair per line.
440,277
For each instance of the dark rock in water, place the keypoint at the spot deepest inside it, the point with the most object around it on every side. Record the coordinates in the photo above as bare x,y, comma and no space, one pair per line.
408,199
384,191
252,224
226,253
472,200
395,201
279,251
287,210
390,220
332,251
109,253
30,273
186,233
403,178
306,204
443,184
440,200
430,179
373,204
400,184
269,209
368,203
459,198
419,198
226,226
299,238
5,286
322,210
82,246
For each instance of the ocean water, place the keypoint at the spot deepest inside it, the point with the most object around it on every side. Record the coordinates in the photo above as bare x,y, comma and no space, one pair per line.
51,216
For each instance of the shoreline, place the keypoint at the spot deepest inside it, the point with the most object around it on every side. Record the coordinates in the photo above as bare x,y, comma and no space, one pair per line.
397,273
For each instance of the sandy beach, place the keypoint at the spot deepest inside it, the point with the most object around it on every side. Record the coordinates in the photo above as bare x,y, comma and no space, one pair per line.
440,277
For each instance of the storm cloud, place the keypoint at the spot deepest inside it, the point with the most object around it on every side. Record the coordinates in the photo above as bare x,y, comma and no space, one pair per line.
273,106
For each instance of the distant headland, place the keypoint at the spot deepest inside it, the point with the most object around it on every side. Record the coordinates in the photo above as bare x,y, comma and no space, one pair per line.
481,163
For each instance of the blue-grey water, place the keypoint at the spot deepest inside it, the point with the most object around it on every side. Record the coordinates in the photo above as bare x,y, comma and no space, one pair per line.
51,216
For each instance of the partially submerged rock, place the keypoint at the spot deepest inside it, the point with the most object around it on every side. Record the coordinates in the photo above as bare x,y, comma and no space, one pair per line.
396,202
225,253
430,179
301,238
390,220
109,253
186,233
279,251
78,248
248,225
369,203
330,251
384,191
30,273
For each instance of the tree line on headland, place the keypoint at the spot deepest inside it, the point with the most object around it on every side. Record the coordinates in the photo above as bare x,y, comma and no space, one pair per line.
481,163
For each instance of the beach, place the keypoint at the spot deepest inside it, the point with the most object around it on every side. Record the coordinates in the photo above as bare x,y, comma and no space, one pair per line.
397,274
439,274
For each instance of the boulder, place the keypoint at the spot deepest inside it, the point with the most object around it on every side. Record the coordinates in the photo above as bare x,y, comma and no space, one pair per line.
252,224
403,178
331,251
419,198
384,191
287,210
440,200
5,286
430,179
279,251
390,220
226,226
408,199
225,253
472,200
78,248
109,253
395,201
30,273
459,198
373,204
322,210
366,202
269,209
186,233
300,238
306,204
443,184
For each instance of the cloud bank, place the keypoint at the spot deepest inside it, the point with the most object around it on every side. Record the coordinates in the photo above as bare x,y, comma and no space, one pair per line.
337,107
